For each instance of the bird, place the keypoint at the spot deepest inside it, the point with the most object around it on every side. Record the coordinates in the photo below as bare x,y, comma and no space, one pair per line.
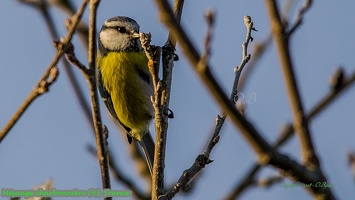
124,81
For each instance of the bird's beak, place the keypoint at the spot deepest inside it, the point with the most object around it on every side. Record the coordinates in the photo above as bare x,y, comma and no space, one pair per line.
135,35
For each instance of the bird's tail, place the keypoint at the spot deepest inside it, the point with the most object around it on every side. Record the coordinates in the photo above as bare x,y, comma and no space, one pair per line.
148,146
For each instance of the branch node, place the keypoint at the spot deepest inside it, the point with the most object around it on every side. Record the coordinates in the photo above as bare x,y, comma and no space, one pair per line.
264,158
43,85
71,57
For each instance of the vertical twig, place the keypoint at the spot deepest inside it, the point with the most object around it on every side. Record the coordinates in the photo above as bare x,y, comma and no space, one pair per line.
261,47
101,132
161,121
101,141
237,72
161,99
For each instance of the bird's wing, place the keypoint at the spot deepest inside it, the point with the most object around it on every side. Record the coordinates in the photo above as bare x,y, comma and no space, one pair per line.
106,97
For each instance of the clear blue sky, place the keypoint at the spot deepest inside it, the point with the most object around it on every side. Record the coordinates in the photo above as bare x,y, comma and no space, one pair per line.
49,141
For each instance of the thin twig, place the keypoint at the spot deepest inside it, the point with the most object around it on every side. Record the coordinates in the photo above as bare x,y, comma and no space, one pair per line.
245,59
161,121
44,83
101,132
161,101
237,72
261,47
307,5
203,159
71,57
101,141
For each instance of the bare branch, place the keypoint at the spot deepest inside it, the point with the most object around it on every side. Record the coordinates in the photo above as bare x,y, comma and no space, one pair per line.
308,154
70,55
161,101
245,58
261,47
101,142
153,55
237,71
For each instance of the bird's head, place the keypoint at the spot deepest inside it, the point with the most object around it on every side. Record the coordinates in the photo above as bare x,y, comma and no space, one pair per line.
120,34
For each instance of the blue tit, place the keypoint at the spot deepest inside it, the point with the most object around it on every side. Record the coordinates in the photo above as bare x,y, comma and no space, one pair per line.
124,81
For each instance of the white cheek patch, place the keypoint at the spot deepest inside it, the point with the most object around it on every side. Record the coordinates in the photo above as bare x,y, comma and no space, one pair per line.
110,39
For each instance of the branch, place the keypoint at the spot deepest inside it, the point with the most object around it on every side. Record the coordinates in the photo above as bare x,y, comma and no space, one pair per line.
101,132
101,141
161,121
308,154
245,58
261,47
48,76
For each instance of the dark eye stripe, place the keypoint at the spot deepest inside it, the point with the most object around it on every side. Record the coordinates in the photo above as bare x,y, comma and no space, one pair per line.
120,29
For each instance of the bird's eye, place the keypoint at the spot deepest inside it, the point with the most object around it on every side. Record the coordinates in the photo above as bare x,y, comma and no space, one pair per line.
121,29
